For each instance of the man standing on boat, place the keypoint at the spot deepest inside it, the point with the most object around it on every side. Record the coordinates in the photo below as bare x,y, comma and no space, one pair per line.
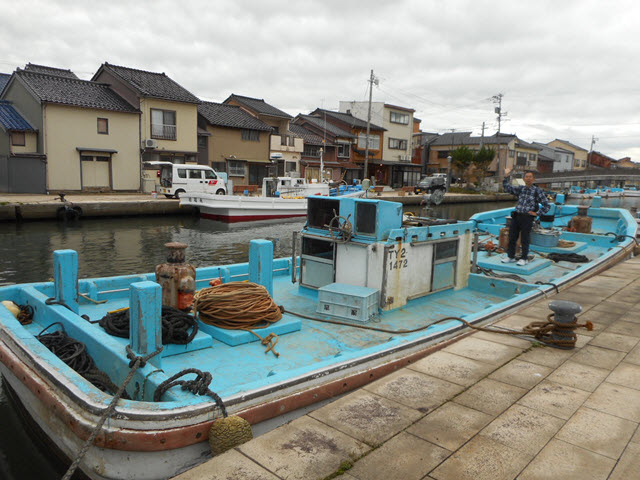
529,196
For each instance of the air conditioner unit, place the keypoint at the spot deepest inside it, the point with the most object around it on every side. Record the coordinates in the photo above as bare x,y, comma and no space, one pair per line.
149,143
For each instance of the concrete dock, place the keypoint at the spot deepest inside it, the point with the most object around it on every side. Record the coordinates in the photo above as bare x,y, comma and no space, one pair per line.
487,407
18,207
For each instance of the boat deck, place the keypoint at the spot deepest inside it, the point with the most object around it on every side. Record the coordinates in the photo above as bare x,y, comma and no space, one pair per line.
486,407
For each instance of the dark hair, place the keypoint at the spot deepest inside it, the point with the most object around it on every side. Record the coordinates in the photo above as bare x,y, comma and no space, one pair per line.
529,171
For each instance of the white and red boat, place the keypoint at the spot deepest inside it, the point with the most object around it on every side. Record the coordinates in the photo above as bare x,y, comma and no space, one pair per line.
282,197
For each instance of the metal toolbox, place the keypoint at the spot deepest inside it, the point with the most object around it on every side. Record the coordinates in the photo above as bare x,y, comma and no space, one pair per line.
348,302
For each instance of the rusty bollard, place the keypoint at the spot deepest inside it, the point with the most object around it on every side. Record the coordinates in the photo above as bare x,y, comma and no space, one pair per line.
564,314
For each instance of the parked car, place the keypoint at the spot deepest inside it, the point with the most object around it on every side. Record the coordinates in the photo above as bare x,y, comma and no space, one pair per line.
431,183
175,179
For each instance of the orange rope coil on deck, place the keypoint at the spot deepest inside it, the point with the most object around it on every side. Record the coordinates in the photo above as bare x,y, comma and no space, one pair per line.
239,306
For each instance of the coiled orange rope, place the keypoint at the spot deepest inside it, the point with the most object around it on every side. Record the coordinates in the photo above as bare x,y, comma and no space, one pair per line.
239,306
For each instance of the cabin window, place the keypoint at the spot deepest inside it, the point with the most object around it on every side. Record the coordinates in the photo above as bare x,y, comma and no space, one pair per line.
317,248
235,168
366,218
209,175
447,249
195,173
320,211
18,139
103,126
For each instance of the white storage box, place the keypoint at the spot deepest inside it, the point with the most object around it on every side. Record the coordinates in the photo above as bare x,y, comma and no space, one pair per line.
348,302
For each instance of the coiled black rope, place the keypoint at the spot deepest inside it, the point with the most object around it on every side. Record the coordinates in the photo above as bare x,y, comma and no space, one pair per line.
197,386
74,354
567,257
175,325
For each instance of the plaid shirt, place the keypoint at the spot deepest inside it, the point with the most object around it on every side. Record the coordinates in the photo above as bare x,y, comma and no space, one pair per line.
528,197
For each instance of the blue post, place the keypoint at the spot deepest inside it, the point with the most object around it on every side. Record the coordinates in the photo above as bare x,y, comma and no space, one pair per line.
596,202
145,326
559,199
65,277
261,263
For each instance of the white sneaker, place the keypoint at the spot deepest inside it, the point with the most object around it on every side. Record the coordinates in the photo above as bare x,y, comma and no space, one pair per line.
522,262
508,260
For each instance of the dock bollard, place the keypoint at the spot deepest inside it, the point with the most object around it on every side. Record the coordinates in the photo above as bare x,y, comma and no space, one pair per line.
565,314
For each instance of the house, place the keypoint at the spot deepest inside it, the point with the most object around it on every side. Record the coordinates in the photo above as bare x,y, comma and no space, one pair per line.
397,146
511,152
286,148
236,142
579,154
562,159
169,115
337,149
597,159
627,163
377,167
4,79
82,135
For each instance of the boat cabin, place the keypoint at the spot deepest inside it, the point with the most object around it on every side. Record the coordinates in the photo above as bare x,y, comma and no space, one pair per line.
291,187
361,246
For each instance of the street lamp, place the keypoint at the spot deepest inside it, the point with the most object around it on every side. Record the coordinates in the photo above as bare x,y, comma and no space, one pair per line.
448,172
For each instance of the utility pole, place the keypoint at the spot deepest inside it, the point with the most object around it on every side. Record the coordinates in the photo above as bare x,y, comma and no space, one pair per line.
498,99
593,141
482,137
372,80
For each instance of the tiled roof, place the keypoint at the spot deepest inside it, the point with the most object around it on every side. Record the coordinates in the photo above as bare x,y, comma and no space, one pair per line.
4,79
320,123
348,119
10,119
546,152
151,84
31,67
230,116
70,91
570,144
258,105
308,137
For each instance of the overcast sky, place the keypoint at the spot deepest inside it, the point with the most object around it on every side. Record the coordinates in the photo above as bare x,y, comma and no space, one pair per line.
567,69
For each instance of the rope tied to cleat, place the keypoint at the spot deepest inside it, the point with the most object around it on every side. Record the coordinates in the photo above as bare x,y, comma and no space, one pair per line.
239,306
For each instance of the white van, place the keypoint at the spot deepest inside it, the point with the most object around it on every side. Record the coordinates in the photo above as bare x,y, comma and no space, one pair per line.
175,179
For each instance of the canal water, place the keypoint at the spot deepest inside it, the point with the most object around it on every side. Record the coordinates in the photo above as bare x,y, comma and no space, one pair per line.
119,246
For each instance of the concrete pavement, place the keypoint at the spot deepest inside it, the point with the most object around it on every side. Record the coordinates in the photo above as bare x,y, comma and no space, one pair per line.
488,407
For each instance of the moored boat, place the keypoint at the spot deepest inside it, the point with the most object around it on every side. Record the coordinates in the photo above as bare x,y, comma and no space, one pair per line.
282,197
604,192
366,294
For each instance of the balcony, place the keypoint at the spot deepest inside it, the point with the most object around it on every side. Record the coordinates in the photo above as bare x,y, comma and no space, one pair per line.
164,132
286,143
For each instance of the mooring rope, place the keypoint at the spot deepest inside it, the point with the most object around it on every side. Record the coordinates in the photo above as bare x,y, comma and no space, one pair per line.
542,331
197,386
175,325
135,363
239,306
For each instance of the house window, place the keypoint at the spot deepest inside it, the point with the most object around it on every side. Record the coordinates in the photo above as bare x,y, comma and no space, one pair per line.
290,166
235,168
311,151
397,144
103,126
18,139
374,141
532,156
401,118
344,150
443,153
251,135
219,166
163,124
202,142
512,153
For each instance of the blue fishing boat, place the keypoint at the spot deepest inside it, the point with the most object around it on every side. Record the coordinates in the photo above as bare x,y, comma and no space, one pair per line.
368,292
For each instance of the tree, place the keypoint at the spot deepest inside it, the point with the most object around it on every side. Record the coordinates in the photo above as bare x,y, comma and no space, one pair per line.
462,158
482,160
